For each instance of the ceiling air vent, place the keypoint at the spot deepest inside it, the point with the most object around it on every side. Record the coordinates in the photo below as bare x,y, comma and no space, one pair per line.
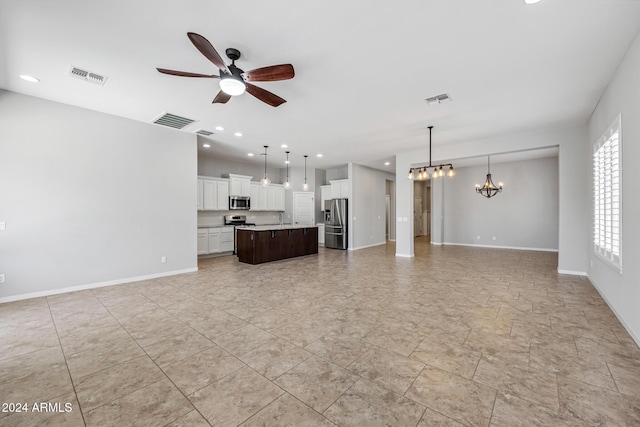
203,132
172,121
87,75
438,99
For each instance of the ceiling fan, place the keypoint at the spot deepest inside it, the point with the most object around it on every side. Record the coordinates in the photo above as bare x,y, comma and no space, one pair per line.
233,80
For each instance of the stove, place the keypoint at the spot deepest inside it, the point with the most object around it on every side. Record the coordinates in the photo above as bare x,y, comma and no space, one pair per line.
238,221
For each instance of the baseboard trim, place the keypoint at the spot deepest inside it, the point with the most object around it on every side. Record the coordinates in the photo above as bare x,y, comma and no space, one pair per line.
367,246
624,324
517,248
405,255
573,273
94,285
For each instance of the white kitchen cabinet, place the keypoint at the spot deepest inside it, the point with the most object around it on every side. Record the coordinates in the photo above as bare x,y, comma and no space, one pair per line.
215,194
259,197
226,239
340,189
275,197
200,192
325,194
223,196
214,240
239,185
203,241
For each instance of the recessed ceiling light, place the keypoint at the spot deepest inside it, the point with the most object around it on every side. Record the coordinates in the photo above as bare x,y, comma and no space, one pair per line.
531,1
284,146
238,134
219,128
206,145
387,163
250,154
318,155
29,78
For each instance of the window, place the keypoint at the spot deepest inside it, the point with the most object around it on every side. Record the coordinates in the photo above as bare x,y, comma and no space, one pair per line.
607,194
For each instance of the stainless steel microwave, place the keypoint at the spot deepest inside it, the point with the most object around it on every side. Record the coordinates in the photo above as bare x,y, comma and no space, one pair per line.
239,203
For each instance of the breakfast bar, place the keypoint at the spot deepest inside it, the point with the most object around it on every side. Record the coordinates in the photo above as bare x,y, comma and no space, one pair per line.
260,244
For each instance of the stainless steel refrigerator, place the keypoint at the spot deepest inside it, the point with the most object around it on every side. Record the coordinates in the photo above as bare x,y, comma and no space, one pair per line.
335,224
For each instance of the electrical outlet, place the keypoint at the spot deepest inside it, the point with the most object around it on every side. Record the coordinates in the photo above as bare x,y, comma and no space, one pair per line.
478,237
3,225
163,259
494,237
1,278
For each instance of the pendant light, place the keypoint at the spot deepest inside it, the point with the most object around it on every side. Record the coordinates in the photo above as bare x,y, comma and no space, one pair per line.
265,181
422,173
287,184
305,186
489,189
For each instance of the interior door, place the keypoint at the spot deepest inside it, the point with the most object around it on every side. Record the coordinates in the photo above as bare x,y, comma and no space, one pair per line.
417,216
303,208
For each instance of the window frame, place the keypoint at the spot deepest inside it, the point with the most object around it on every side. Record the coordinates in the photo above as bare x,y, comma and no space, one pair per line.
605,252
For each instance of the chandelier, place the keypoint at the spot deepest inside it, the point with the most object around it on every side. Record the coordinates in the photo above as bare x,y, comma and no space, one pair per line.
488,189
423,172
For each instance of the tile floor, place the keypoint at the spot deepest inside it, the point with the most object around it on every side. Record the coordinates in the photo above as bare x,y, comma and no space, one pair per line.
455,336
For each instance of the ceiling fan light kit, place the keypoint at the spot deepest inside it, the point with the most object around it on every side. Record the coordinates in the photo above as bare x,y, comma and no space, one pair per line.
233,80
422,173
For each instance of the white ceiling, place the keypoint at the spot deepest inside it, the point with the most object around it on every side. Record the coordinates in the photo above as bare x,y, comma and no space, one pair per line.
363,68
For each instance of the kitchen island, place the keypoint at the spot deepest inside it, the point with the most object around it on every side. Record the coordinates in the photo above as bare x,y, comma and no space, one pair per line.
265,243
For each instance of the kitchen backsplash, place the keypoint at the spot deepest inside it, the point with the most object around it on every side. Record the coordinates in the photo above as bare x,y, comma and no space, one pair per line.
214,219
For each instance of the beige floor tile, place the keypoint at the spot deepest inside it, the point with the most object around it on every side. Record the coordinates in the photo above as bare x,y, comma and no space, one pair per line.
441,353
156,404
87,362
511,411
390,370
26,338
275,358
112,383
192,419
85,339
236,397
394,339
31,363
627,378
456,397
432,418
536,385
368,404
596,406
37,386
243,340
175,348
199,370
218,323
287,411
316,382
338,348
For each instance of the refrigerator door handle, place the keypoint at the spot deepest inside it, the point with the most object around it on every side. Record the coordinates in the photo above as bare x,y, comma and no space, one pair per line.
334,234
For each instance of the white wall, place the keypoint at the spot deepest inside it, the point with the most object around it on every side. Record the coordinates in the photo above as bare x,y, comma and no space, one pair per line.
90,198
574,199
621,291
524,215
367,206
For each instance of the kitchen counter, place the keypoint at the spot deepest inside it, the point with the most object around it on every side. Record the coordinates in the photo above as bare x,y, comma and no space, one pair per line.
265,243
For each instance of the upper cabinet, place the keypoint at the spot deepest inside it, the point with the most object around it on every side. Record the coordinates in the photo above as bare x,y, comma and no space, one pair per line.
239,185
213,194
269,198
325,194
340,189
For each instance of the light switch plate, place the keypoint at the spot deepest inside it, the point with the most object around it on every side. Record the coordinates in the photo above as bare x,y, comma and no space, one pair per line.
3,225
1,278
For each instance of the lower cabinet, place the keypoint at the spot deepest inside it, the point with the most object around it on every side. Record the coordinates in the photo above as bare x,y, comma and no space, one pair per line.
256,247
320,234
215,240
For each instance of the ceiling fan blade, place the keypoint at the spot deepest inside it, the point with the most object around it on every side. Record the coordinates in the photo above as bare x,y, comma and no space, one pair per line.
264,95
207,49
186,73
270,74
221,98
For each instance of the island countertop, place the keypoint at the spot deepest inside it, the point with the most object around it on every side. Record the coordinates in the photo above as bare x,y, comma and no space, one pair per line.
265,243
277,227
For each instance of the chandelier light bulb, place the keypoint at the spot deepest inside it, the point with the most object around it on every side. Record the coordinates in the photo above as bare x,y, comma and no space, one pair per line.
410,176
